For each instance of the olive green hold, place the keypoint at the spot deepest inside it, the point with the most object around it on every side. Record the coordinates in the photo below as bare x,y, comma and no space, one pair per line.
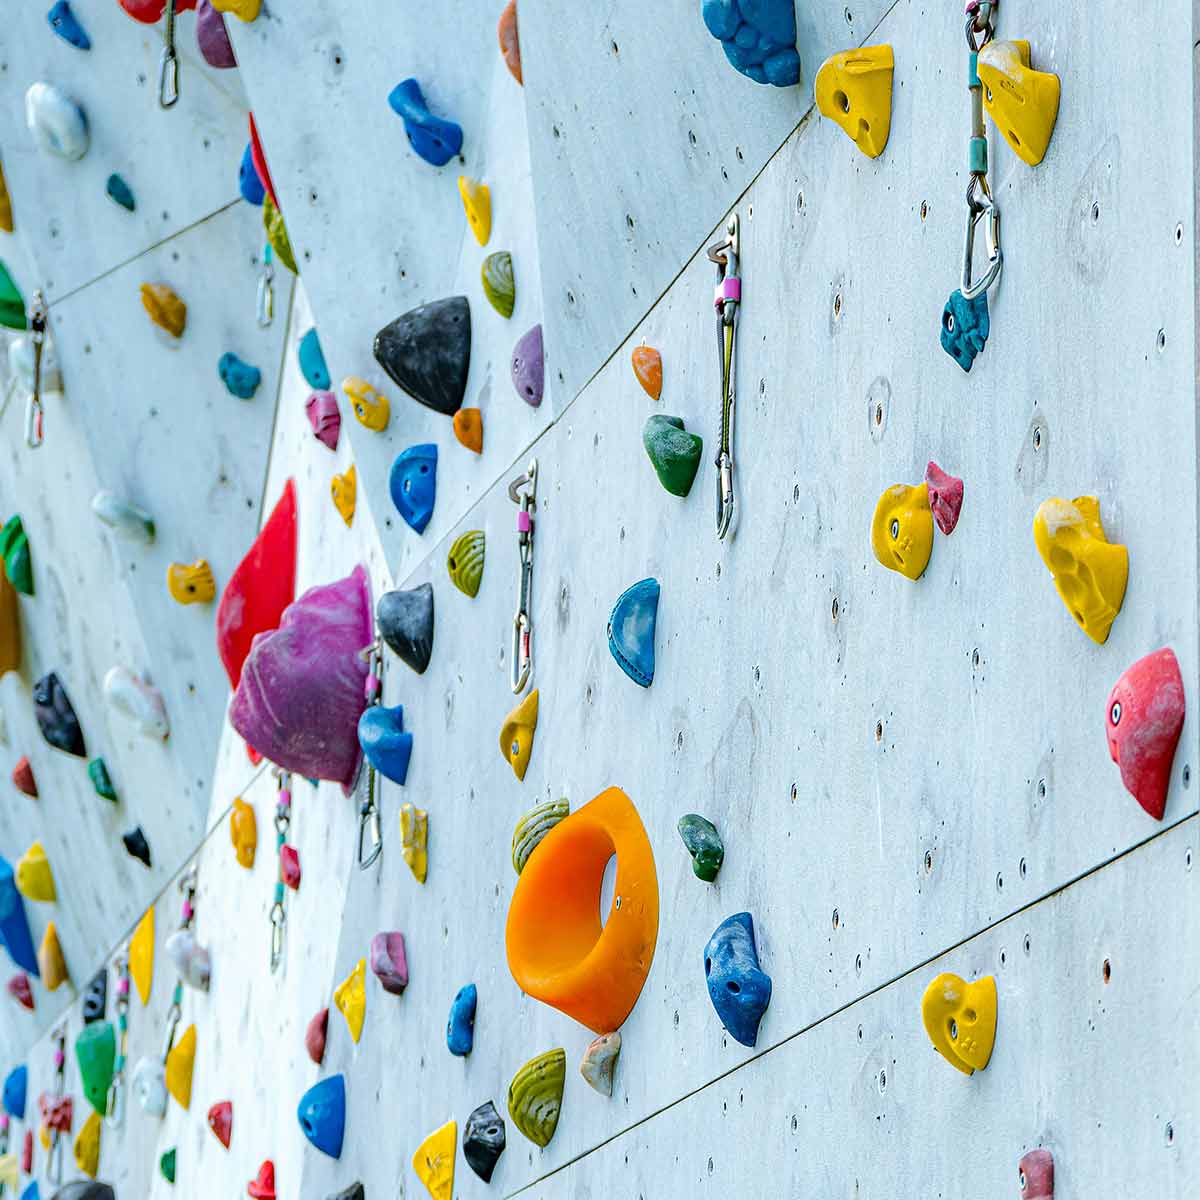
674,452
499,284
277,235
535,1096
704,844
12,303
14,549
166,1165
96,1050
101,780
465,561
534,826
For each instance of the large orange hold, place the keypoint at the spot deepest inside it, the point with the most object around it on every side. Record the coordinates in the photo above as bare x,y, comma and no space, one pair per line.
510,43
558,952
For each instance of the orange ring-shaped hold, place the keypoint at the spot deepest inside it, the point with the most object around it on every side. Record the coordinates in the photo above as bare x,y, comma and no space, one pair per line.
558,952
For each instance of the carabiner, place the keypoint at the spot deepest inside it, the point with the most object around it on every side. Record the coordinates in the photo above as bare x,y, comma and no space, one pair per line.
277,925
368,816
168,65
979,211
38,314
114,1109
981,19
264,305
727,299
522,491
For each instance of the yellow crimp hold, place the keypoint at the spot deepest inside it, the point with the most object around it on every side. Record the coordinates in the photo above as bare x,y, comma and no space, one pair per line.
1090,573
243,832
434,1161
516,735
371,408
1021,101
34,878
191,583
414,838
141,956
51,964
902,529
181,1060
960,1019
344,490
854,88
244,10
165,308
351,999
87,1146
477,200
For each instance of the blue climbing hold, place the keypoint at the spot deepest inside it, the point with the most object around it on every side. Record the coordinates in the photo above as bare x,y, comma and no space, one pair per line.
383,740
322,1114
16,1085
31,1192
312,362
965,327
631,631
121,192
740,989
240,378
460,1029
435,140
758,37
14,925
249,183
64,23
413,484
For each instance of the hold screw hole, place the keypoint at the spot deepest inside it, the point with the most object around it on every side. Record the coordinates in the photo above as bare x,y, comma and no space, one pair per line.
999,881
833,611
879,731
1107,971
837,920
924,209
928,862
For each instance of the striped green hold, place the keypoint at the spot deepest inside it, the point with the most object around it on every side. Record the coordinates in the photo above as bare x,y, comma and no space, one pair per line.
166,1165
499,283
277,235
12,303
535,1095
14,549
101,780
534,826
465,561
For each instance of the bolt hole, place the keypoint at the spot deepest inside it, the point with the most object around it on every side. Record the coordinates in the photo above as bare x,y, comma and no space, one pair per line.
795,1124
800,200
1179,234
837,920
718,570
924,209
1187,860
858,964
1003,958
999,881
1187,775
615,48
1022,869
796,494
1169,1133
1037,438
692,136
710,1166
849,16
882,1082
837,305
795,793
1107,971
878,414
1095,212
1027,945
975,658
928,862
1162,340
1041,789
879,731
833,611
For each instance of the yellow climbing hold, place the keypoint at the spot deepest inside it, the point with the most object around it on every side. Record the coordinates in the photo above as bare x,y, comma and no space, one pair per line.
6,217
434,1161
1021,101
1090,573
34,878
87,1146
960,1019
51,964
371,407
164,308
191,583
277,235
344,490
477,200
181,1060
854,88
516,737
465,561
414,838
10,1172
244,10
351,999
535,1096
902,529
141,956
243,831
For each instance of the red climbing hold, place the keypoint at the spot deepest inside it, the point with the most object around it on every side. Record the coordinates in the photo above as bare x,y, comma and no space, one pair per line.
314,1036
262,1187
150,11
945,497
27,1153
57,1112
1144,718
220,1121
259,158
20,990
289,866
1036,1175
23,779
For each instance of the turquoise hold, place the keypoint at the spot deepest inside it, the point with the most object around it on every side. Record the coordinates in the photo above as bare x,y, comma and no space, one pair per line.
239,378
460,1028
965,327
312,362
385,745
631,631
101,780
121,192
436,140
758,37
413,484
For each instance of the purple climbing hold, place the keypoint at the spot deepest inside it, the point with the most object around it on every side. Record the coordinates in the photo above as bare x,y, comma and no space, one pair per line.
213,38
390,962
529,368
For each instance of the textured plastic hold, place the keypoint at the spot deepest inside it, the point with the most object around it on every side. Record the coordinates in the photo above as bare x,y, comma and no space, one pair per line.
16,1089
739,988
213,38
87,1147
141,956
18,562
119,192
558,951
96,1052
413,484
190,959
355,1191
150,12
965,327
258,158
136,845
21,990
433,1161
1021,101
945,497
535,1096
322,1115
405,620
1144,719
477,202
854,89
57,122
324,417
648,370
631,631
372,409
95,997
414,840
434,139
1035,1175
12,303
468,428
14,924
220,1121
902,530
315,1035
57,1114
674,453
23,780
499,282
277,234
240,378
166,1165
243,832
138,701
262,1186
6,213
312,362
79,1190
249,184
344,490
191,583
289,867
128,521
529,367
389,962
516,734
10,627
465,561
704,844
64,22
1090,573
31,1192
533,827
960,1019
51,965
460,1028
350,997
510,43
35,880
600,1062
164,308
56,718
244,10
758,37
10,1173
385,744
483,1140
427,351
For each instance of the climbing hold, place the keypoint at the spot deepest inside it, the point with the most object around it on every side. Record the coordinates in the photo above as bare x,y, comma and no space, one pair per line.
854,89
141,955
14,924
213,38
96,1051
385,744
739,988
960,1019
164,308
315,1035
344,489
190,959
262,586
558,951
477,201
1035,1173
1090,573
18,563
51,965
57,122
312,362
150,1087
10,627
149,12
427,351
191,584
350,996
79,1190
10,1170
673,452
57,1114
499,284
130,522
55,716
289,867
534,826
460,1028
244,10
510,44
262,1186
468,428
1144,719
1022,102
322,1115
758,37
258,159
413,484
277,235
141,702
529,367
600,1062
31,1192
166,1164
389,962
249,184
902,529
405,620
483,1140
372,408
647,367
535,1096
95,997
220,1121
323,416
434,1161
23,779
87,1151
516,734
704,844
63,21
243,830
414,839
16,1084
136,845
21,990
6,214
965,327
945,497
35,880
120,193
12,303
465,561
631,631
436,140
240,378
354,1192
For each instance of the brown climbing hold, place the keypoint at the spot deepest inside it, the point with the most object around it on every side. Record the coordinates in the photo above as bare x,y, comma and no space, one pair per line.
23,779
468,428
6,217
647,366
315,1034
165,308
510,43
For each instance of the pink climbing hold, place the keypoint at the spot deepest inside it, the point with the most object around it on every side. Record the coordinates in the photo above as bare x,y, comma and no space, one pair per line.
314,1036
23,779
57,1112
390,962
1144,718
289,866
1036,1175
323,416
945,497
20,990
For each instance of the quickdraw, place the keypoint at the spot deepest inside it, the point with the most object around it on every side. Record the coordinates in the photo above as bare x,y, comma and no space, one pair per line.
283,821
115,1108
522,491
369,823
728,297
56,1115
168,66
264,309
34,431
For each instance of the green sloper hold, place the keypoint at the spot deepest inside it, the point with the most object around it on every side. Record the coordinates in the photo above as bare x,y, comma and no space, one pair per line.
166,1165
704,844
499,285
535,1096
277,235
534,826
12,303
14,549
674,452
465,561
101,780
96,1050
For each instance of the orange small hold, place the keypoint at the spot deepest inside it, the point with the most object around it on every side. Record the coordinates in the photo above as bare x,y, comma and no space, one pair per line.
510,43
647,366
468,428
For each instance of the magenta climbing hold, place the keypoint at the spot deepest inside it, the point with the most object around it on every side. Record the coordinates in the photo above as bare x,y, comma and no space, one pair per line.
315,1034
529,367
324,417
289,866
945,497
1035,1174
213,38
389,961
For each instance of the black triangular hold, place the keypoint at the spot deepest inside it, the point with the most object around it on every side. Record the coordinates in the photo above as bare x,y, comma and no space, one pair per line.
406,624
428,353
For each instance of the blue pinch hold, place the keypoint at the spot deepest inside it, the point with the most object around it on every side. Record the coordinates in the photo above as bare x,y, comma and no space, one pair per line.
631,631
239,378
384,743
249,183
965,327
413,484
758,37
322,1114
64,22
16,1088
14,924
436,140
738,987
119,191
312,362
460,1029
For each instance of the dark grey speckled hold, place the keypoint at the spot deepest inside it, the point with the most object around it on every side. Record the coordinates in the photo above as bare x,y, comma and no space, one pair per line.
428,353
406,624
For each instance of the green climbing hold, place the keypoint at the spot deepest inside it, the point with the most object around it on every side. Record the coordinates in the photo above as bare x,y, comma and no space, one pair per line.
465,561
277,235
14,549
534,826
96,1050
535,1096
12,303
704,844
499,285
101,780
166,1165
674,452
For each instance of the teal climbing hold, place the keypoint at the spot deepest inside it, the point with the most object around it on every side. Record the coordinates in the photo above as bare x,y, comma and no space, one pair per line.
101,780
14,549
240,378
631,631
965,327
121,192
436,140
312,362
674,452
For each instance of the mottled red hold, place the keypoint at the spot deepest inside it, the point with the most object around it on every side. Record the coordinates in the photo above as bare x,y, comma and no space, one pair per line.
289,866
1144,719
314,1036
27,1153
262,1186
945,497
20,990
1036,1175
220,1121
23,779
